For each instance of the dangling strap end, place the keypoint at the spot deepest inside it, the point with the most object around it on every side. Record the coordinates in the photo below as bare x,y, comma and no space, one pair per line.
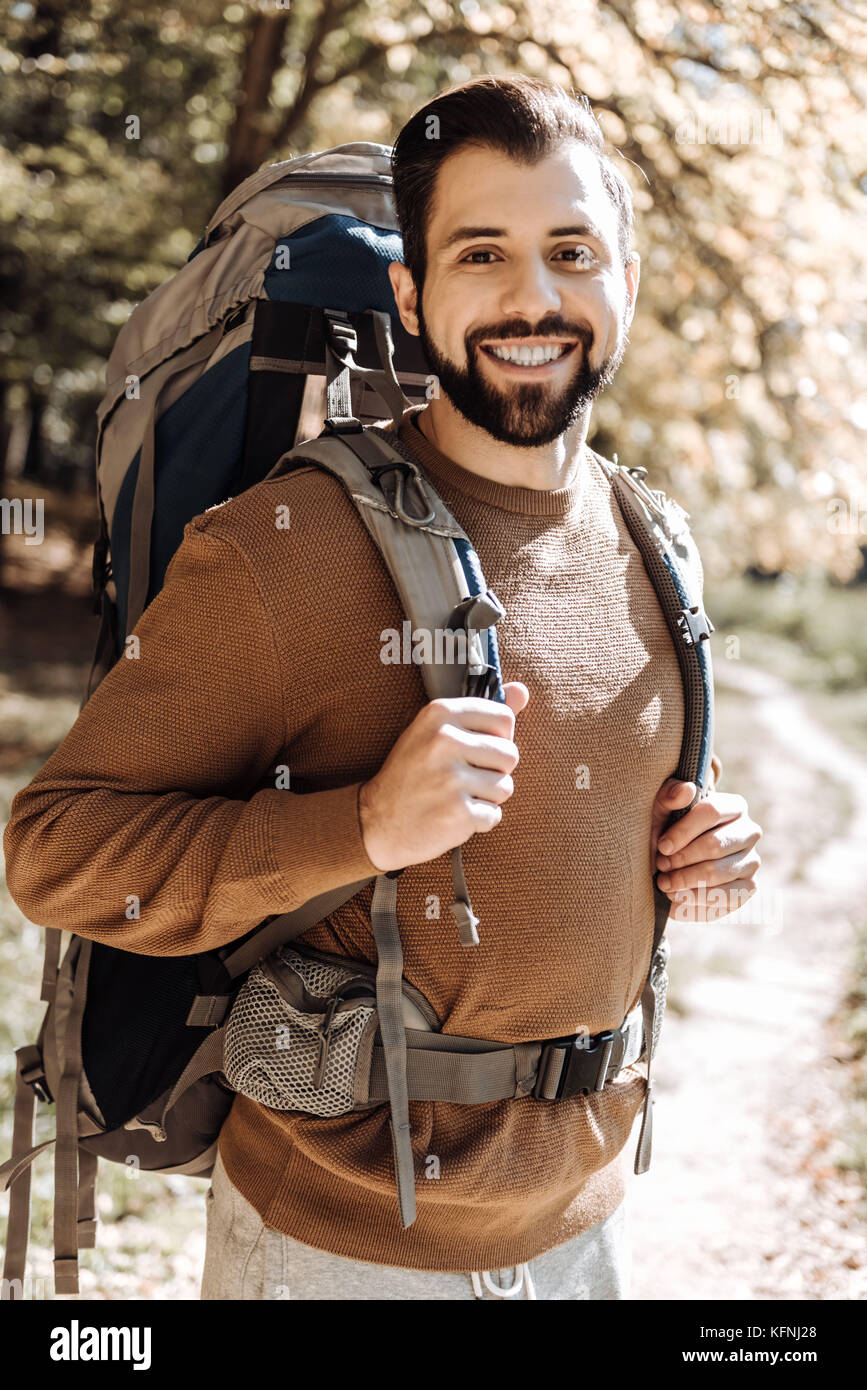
645,1135
461,910
401,1140
467,923
66,1275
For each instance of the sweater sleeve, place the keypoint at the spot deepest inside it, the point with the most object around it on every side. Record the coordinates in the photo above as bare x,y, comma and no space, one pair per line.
137,831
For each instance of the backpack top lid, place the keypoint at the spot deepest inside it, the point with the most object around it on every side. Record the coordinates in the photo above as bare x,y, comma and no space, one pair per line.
237,261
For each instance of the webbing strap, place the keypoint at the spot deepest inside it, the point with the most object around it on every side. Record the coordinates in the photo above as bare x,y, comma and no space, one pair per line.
143,499
389,980
652,1004
341,366
388,384
207,1058
66,1154
469,1071
338,382
18,1228
461,908
645,1134
460,1077
15,1166
51,963
87,1166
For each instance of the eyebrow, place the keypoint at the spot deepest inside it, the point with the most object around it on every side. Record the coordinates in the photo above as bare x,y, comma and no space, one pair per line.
478,233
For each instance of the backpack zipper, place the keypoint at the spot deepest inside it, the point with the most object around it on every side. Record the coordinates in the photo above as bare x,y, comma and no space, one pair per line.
345,180
324,1041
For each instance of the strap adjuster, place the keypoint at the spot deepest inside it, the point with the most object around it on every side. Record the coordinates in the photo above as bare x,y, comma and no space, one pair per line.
695,625
340,331
584,1066
32,1072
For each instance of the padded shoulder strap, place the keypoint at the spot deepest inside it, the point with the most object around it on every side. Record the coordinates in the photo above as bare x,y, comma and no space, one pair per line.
442,591
430,558
658,525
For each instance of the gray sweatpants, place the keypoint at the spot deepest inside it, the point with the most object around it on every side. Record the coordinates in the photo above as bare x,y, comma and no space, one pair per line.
244,1259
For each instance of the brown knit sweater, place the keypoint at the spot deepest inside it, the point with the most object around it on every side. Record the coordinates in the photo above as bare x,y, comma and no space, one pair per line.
262,651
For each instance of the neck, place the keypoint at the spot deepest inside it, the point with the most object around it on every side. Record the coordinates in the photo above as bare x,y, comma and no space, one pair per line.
542,469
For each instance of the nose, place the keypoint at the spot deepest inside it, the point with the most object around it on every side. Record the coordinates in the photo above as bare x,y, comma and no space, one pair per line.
530,292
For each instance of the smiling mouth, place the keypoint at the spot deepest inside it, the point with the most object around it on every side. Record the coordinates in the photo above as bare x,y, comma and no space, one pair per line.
532,356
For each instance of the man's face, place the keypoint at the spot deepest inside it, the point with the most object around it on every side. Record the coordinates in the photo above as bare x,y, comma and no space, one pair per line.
521,258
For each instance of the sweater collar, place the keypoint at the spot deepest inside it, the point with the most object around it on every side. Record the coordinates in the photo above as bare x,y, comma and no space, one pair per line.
525,500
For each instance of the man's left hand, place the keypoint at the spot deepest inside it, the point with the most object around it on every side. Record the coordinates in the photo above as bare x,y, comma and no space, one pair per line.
707,859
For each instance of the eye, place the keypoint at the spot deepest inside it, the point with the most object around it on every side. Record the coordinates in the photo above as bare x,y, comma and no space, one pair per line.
468,259
583,255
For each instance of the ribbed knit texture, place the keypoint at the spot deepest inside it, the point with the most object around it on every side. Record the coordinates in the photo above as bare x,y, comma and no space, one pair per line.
262,652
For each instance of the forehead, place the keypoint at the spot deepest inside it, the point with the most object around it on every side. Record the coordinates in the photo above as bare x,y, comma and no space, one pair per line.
481,186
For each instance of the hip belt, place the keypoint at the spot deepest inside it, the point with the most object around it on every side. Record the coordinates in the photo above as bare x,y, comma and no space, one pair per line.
466,1071
326,1035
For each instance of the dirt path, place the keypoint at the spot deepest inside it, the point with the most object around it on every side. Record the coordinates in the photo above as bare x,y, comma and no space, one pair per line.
743,1198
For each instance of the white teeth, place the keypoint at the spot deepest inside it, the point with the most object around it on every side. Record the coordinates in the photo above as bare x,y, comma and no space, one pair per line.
528,356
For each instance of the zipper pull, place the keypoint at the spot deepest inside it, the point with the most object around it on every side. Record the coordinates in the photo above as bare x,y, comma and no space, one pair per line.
153,1128
324,1041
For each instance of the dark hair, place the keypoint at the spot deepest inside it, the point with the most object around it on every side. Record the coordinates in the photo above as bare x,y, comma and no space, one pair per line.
524,117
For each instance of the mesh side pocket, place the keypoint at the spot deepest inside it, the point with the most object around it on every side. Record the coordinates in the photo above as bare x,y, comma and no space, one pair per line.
272,1047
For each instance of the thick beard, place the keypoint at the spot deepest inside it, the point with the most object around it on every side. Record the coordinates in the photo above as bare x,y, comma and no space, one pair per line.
524,415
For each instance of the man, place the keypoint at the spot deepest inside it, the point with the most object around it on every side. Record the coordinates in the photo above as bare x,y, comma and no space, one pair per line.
262,651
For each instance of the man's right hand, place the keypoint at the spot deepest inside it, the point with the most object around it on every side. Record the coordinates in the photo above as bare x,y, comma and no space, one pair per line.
446,778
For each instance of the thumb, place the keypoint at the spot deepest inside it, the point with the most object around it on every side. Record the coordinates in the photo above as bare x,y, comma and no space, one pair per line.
516,694
675,794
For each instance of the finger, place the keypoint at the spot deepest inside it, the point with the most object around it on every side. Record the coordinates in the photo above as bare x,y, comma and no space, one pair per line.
484,814
483,750
488,786
516,694
713,810
711,873
673,795
480,716
689,906
714,844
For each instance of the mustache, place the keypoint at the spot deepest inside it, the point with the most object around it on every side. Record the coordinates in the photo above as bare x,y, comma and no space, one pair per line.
520,328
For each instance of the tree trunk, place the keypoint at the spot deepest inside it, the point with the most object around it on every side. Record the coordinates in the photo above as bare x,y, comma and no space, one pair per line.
251,132
5,431
34,456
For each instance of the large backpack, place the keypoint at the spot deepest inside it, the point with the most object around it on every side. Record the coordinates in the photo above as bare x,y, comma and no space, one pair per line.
282,315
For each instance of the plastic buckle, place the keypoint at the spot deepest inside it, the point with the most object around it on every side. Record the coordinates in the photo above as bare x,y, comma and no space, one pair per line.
349,425
339,330
695,625
34,1077
584,1069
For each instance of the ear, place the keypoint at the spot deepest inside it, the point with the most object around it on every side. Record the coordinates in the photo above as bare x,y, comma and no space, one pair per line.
632,272
405,296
